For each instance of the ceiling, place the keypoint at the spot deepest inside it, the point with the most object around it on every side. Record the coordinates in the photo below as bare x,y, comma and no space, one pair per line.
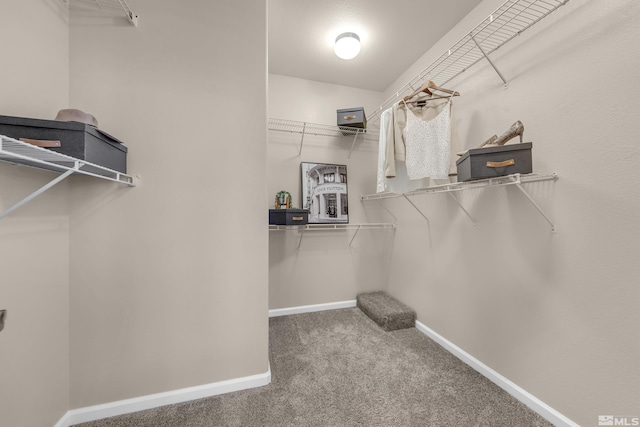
394,34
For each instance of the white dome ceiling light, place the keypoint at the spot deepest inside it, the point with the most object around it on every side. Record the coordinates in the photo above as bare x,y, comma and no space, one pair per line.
347,45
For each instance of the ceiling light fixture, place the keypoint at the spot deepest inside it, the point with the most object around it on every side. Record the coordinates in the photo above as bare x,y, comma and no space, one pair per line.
347,45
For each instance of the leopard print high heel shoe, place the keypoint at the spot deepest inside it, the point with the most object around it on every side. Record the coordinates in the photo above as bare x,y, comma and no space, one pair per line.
489,141
516,129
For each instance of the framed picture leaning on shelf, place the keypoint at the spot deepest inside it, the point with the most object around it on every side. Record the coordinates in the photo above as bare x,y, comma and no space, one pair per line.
324,193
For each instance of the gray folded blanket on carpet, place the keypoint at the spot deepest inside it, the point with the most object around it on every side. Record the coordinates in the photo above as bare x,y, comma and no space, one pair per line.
389,313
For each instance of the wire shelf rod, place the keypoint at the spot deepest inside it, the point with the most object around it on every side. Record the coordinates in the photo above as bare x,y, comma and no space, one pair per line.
24,154
461,186
317,129
515,179
508,21
329,227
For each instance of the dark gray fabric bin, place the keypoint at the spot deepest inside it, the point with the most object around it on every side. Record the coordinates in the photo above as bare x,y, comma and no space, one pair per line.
288,216
491,162
78,140
352,117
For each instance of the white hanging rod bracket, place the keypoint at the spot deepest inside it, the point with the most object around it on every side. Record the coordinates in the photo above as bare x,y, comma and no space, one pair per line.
473,221
304,127
395,220
354,236
489,59
38,192
416,208
518,184
353,144
132,17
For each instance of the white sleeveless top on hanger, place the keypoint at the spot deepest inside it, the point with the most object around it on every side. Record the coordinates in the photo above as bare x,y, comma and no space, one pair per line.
428,145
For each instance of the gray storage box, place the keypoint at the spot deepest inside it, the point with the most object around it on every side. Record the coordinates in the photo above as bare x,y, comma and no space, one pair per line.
352,117
78,140
288,216
491,162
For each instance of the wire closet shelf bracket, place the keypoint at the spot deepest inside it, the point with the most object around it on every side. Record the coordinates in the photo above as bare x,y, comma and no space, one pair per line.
500,27
111,5
316,129
451,188
328,227
22,153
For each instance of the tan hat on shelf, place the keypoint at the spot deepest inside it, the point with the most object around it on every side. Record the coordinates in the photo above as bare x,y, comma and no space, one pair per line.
73,115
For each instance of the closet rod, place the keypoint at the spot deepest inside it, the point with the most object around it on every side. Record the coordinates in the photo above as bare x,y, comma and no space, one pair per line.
511,19
461,186
515,179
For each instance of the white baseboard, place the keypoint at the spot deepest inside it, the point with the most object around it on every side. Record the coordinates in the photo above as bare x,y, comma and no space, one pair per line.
311,308
64,421
546,411
121,407
92,413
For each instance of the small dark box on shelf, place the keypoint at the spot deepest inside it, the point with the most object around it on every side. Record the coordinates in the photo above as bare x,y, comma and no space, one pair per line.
491,162
353,118
288,216
78,140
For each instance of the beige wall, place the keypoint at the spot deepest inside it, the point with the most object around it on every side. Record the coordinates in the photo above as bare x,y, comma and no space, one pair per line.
35,71
169,279
34,240
325,268
160,296
153,279
316,102
555,313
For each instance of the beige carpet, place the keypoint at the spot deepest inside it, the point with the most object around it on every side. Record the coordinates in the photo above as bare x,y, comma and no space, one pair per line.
338,368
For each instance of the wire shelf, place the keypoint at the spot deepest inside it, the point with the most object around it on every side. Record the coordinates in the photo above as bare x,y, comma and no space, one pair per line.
22,153
320,227
459,186
515,179
330,227
316,129
507,22
307,128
